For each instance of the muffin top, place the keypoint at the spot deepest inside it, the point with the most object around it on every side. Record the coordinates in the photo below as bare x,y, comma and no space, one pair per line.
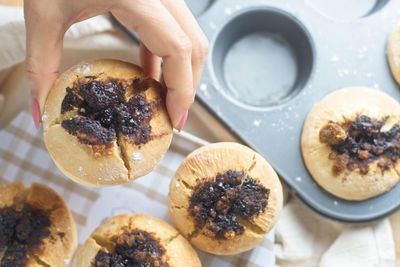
224,198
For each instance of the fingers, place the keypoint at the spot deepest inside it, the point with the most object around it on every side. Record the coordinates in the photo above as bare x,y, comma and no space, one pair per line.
164,37
151,63
43,53
186,20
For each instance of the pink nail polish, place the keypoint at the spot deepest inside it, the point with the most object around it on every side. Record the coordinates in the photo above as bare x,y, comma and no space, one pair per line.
183,121
35,112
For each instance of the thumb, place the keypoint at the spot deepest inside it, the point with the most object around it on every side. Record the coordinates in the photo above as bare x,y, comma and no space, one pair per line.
44,41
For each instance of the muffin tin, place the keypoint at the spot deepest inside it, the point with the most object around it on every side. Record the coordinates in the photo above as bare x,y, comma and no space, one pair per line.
271,61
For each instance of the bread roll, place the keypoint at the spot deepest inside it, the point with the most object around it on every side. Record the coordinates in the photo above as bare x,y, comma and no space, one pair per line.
104,124
224,198
350,143
136,240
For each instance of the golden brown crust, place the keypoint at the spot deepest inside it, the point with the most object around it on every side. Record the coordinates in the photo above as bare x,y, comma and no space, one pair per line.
143,158
123,160
11,194
178,251
341,105
59,247
393,52
207,162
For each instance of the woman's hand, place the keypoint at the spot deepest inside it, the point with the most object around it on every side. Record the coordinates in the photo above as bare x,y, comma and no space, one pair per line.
167,30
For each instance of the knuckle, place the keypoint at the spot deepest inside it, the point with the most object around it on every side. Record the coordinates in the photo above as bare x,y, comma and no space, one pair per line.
183,46
31,67
200,50
189,96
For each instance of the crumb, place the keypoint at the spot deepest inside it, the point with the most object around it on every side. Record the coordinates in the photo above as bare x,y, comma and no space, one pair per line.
332,134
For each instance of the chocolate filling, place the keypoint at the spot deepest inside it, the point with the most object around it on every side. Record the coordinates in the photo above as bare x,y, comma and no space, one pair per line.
104,110
89,131
137,248
358,143
218,205
21,232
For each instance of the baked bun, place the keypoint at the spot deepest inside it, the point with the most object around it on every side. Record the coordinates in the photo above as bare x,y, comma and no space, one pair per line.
136,240
224,198
36,227
351,143
105,125
393,52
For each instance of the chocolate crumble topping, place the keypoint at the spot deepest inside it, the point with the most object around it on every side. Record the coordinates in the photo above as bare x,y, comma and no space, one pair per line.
356,144
104,111
218,205
15,255
137,248
21,232
89,131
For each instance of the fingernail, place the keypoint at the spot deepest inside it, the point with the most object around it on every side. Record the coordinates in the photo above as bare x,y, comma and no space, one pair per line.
183,121
35,112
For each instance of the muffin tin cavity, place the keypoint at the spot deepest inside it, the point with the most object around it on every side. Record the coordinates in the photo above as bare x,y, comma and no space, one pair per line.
347,9
262,57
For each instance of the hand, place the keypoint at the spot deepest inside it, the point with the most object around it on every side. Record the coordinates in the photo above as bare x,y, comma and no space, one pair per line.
167,30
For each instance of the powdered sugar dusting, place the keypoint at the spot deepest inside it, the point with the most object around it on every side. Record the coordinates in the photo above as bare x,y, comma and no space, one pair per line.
257,123
83,68
228,11
334,58
44,117
136,156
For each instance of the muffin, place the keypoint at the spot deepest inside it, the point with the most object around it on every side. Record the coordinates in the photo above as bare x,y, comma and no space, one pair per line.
393,52
136,240
104,124
351,143
224,198
36,227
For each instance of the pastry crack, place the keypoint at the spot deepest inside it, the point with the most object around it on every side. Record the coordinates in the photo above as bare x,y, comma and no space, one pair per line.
2,253
253,164
103,243
170,239
179,207
195,233
123,153
38,260
186,184
250,226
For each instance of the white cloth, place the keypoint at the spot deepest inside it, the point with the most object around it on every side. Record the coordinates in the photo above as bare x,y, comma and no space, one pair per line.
302,237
